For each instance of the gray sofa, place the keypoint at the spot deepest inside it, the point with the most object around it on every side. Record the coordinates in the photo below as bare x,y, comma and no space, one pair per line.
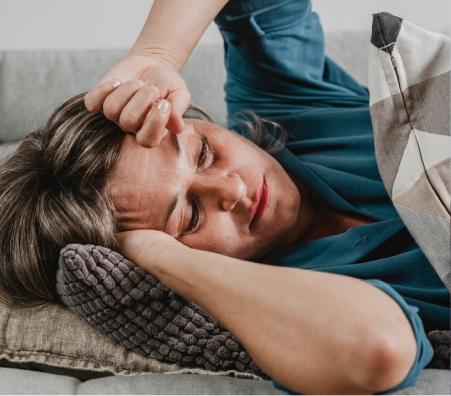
32,84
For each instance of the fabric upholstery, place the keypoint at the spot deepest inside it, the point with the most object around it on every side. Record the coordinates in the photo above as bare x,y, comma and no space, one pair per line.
36,82
409,84
6,150
133,308
16,381
53,339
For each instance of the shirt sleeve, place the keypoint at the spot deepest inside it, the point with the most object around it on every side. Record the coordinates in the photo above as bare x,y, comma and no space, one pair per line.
274,55
425,352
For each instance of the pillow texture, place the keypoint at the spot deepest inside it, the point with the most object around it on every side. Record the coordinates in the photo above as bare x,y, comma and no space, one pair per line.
136,310
409,84
53,339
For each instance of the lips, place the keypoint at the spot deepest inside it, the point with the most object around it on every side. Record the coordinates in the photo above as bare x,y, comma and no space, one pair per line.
262,202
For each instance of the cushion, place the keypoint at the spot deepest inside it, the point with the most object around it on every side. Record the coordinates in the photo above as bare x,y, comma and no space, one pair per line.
133,308
31,93
409,84
7,149
36,82
18,382
53,339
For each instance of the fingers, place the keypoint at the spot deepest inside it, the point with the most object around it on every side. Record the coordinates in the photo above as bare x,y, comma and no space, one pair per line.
135,107
180,101
125,104
154,127
116,101
136,110
94,99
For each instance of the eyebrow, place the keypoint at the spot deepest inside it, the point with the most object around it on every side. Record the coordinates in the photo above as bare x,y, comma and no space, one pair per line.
176,145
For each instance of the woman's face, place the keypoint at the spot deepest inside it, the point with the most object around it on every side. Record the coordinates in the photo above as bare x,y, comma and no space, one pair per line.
209,189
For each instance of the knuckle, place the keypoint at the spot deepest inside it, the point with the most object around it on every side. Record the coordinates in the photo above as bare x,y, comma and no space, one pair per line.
151,91
130,120
137,84
155,89
111,110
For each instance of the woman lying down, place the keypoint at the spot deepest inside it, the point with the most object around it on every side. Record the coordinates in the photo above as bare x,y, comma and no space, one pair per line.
283,239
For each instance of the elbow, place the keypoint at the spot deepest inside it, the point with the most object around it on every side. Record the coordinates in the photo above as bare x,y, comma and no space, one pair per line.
390,363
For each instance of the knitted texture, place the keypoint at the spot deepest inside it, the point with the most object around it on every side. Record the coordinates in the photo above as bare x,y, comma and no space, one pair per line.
440,340
136,310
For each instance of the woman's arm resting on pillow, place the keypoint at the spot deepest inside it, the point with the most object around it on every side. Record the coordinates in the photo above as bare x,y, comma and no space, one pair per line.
313,332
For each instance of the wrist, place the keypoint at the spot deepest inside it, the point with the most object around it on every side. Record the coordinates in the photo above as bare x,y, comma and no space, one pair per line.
160,56
150,249
163,260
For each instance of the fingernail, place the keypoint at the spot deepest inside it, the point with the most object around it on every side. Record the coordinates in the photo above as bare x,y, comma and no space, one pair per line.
163,106
141,82
116,83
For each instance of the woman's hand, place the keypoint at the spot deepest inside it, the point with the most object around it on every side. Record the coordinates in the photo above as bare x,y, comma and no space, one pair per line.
142,94
148,248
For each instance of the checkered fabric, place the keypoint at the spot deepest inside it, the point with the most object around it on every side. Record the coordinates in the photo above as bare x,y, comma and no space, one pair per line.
409,84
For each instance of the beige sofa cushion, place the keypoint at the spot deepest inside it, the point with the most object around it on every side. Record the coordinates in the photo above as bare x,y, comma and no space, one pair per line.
52,339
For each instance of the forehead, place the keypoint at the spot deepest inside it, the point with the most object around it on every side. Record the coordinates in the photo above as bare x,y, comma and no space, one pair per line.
144,181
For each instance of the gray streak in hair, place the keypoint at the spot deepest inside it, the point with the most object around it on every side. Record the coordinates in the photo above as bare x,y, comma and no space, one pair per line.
53,191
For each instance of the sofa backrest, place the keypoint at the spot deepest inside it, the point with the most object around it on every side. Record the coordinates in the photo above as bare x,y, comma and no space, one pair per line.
32,84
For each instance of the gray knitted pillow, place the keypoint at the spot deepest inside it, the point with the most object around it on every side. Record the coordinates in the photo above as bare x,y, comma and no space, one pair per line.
136,310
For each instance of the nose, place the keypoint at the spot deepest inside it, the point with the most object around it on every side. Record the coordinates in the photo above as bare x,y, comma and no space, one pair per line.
227,188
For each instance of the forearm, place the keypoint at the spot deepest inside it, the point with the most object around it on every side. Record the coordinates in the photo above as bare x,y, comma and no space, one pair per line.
311,331
174,27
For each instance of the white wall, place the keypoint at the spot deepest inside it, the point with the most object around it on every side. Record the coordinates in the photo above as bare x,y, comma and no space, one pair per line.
91,24
357,14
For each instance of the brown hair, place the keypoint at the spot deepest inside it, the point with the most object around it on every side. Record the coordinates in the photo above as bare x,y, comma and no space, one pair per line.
52,193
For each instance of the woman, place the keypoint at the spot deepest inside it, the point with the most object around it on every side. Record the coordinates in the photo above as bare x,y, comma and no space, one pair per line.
317,205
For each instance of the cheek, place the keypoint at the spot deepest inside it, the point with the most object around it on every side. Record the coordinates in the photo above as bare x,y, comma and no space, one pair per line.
219,235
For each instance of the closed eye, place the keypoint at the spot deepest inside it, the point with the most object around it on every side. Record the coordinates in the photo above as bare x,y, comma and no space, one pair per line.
205,149
205,152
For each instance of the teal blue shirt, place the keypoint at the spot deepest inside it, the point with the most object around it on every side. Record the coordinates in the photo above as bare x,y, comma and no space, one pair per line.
276,66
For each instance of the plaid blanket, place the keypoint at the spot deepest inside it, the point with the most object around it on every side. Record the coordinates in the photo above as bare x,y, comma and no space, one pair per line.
409,84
